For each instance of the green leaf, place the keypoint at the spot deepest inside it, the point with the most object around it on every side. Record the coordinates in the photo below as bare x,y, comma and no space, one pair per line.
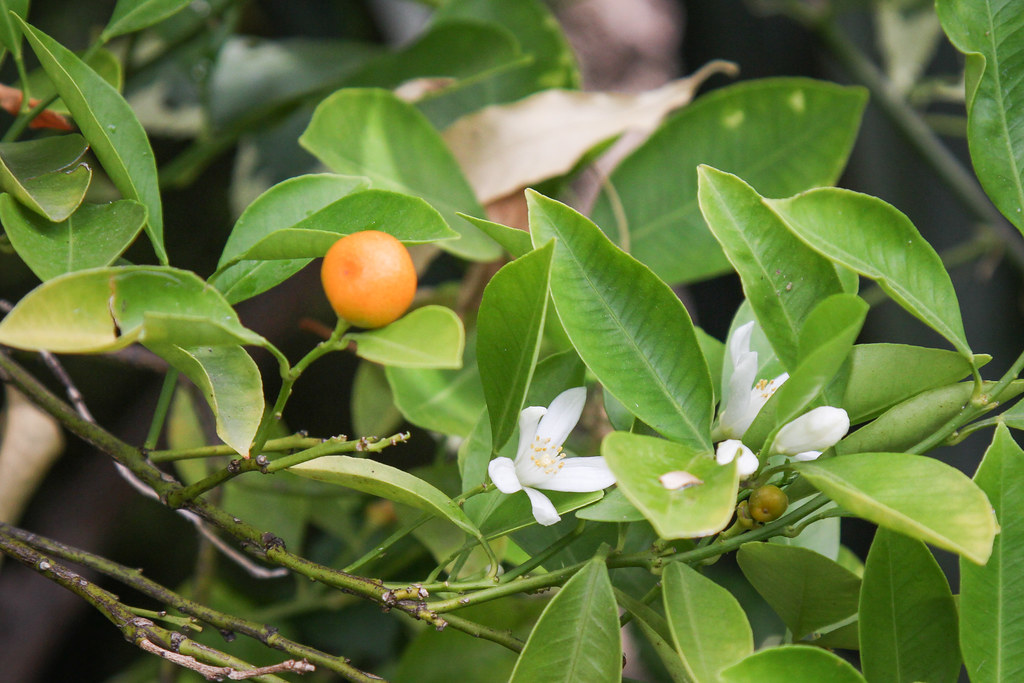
655,629
549,59
133,15
102,61
501,514
903,426
92,237
47,175
710,629
807,590
882,375
782,136
373,133
105,309
10,30
991,631
792,664
284,205
576,639
373,407
885,488
509,326
108,123
783,279
908,620
638,461
231,383
428,337
445,401
516,242
410,219
876,240
989,33
614,507
628,326
388,482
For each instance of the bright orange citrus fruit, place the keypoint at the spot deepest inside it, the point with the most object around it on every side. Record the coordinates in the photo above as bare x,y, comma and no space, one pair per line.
369,278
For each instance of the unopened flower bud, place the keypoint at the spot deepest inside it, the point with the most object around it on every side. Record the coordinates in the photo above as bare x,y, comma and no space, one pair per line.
731,449
817,430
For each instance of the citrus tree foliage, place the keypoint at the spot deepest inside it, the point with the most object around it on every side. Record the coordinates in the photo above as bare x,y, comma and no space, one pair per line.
588,436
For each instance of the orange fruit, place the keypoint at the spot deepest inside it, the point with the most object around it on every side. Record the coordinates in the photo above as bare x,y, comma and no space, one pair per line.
369,278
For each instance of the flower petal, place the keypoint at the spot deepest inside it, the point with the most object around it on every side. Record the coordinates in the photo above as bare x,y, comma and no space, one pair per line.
737,414
817,430
806,456
528,421
579,475
728,450
747,463
563,414
503,474
739,344
543,509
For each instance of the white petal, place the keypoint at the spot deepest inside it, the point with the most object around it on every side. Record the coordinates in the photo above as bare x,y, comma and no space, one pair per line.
579,475
563,414
679,479
817,430
728,450
764,390
528,421
503,474
747,463
739,344
736,416
543,510
806,456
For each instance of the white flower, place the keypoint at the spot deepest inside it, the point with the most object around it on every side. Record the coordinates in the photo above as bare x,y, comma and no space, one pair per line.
812,433
540,463
730,449
744,398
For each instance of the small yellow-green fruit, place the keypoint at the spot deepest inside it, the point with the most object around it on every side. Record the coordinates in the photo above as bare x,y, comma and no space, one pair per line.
767,503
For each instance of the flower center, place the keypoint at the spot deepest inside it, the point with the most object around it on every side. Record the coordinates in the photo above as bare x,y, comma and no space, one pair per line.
766,387
544,457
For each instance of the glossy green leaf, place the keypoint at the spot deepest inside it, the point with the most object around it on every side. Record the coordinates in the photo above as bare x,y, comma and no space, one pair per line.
92,237
502,514
782,136
709,627
381,480
102,61
105,309
989,33
882,375
373,133
548,59
108,123
655,629
792,664
885,488
991,631
628,326
428,337
809,591
876,240
516,242
284,205
188,330
908,621
47,175
10,30
638,461
231,383
373,408
445,401
614,507
783,279
410,219
576,639
509,326
906,423
133,15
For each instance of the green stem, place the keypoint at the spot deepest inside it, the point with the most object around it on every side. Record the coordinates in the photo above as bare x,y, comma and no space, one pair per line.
285,443
163,403
381,547
502,637
545,554
288,380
